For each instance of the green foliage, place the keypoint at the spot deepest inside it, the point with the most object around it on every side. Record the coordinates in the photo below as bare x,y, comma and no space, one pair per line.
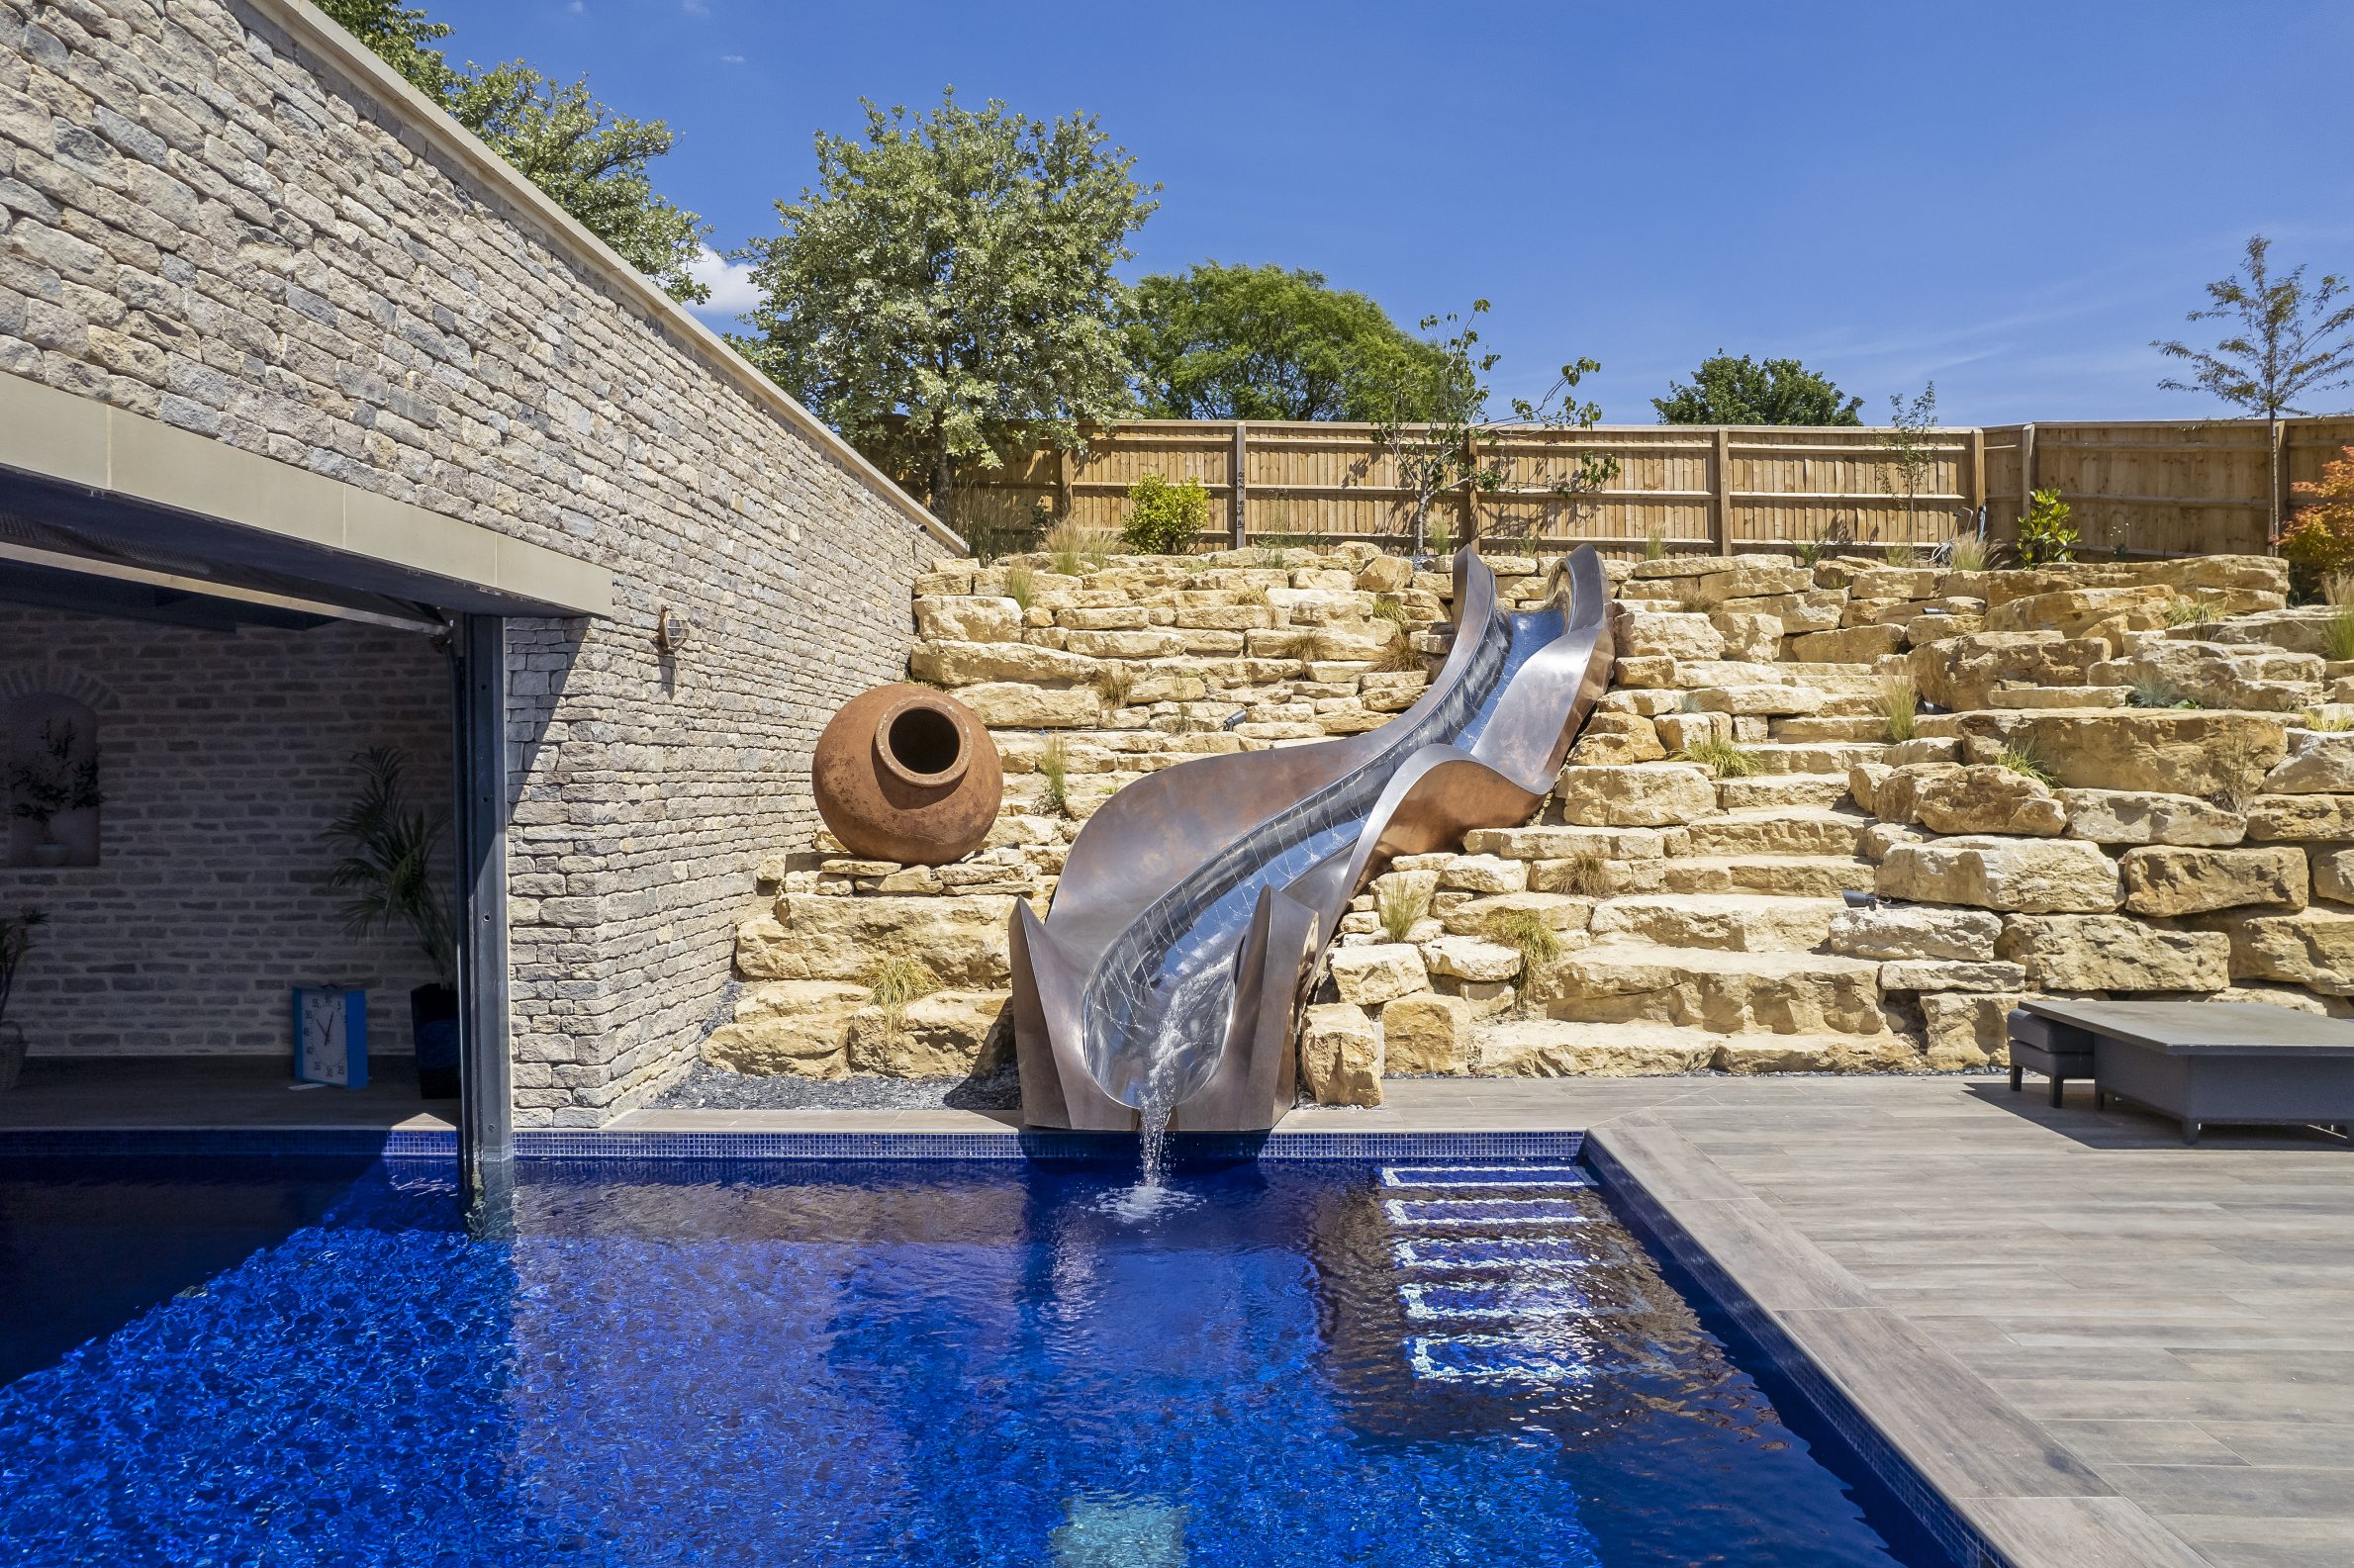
1808,551
2150,692
1114,681
50,781
589,160
2022,761
2327,723
2337,635
1165,519
2287,340
891,982
1907,456
1654,544
1585,873
2320,540
1399,905
1900,705
1054,768
1729,391
1722,758
1527,933
2045,534
1021,586
948,286
395,866
1966,553
1242,342
2191,613
1903,553
16,940
1077,550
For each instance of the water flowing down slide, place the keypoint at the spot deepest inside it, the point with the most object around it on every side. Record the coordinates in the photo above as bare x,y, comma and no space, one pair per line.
1164,990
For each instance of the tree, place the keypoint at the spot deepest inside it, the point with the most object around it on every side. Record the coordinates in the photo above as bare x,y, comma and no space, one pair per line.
1906,455
2320,539
592,162
1220,342
589,160
1729,391
947,288
1437,449
2291,342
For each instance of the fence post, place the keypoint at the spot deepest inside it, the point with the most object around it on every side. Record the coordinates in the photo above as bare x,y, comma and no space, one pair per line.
1063,483
1238,484
2027,467
1720,487
1975,479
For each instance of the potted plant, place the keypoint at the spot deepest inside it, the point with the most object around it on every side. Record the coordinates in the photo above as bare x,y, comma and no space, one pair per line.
50,782
398,875
16,940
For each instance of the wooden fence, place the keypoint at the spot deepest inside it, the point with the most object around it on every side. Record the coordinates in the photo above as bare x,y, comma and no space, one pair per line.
2148,488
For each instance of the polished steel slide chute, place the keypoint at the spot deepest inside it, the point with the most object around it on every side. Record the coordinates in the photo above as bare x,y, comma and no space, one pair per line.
1191,910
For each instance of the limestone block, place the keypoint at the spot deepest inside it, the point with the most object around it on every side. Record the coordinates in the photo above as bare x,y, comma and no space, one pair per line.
2333,874
1428,1033
1470,959
1386,574
1377,973
1650,794
967,619
819,937
2314,947
795,1026
1126,644
1647,670
2275,817
1563,842
1565,912
1340,1056
1948,974
2318,762
1874,842
1543,1047
1850,645
1693,673
1485,874
945,1034
1617,739
2073,613
1959,672
2028,875
1896,789
1639,633
1901,931
1749,578
2167,881
1733,922
971,663
2124,816
1749,1054
1649,702
1756,700
1985,799
2155,750
1748,636
1013,704
1965,1031
1864,779
2115,953
1676,731
2217,675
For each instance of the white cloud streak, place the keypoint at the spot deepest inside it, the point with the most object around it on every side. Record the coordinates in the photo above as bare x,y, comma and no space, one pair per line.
731,282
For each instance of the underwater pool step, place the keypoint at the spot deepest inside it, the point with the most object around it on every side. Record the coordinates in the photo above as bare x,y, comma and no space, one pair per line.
1513,1212
1513,1299
1463,1176
1497,1359
1485,1255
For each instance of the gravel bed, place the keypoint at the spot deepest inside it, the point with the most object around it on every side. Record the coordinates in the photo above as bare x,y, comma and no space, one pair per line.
710,1088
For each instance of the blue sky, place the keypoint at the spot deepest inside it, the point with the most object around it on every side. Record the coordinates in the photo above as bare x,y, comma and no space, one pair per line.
2013,198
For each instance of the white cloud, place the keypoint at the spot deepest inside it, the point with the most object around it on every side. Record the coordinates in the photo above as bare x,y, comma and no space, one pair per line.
731,59
696,8
731,285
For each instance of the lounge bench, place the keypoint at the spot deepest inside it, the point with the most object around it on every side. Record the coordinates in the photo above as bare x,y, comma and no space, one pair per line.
2058,1051
2241,1062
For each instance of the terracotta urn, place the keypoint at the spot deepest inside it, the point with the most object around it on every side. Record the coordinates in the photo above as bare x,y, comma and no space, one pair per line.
908,774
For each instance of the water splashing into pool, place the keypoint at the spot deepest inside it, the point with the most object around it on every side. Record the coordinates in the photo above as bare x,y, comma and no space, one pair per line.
1179,1048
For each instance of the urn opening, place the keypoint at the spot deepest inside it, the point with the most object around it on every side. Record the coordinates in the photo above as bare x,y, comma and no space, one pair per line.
922,743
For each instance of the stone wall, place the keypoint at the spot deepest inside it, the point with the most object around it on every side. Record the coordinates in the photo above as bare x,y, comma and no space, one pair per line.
2123,779
208,221
224,756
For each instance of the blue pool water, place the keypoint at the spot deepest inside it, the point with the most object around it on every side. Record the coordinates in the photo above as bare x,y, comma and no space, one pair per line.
1290,1365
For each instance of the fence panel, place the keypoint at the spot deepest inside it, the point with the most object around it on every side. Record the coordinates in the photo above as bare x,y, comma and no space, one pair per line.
2145,487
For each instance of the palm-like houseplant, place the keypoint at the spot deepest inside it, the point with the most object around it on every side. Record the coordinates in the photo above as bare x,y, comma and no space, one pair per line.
397,874
51,782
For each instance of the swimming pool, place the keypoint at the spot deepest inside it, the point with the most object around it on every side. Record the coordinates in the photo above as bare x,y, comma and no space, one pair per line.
1448,1363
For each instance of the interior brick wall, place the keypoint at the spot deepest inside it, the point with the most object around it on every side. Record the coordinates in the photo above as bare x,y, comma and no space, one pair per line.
224,756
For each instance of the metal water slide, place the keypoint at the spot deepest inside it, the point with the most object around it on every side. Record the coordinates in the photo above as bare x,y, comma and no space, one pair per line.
1195,906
